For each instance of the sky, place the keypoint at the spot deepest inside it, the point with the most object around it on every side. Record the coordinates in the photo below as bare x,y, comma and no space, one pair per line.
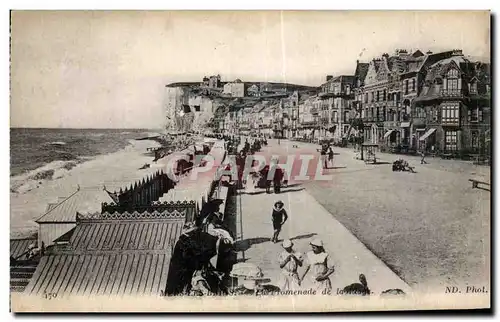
98,69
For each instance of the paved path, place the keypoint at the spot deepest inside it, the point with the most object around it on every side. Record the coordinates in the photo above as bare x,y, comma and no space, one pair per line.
414,222
308,220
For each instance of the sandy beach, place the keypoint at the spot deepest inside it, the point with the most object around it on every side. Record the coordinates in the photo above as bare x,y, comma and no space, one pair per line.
113,170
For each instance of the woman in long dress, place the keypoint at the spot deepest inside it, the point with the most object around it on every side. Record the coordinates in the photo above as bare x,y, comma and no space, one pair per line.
318,268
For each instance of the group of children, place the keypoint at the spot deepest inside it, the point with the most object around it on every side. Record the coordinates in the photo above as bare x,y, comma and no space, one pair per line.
316,262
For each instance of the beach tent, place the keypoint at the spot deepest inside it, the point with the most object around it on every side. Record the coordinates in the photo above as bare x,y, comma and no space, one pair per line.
61,217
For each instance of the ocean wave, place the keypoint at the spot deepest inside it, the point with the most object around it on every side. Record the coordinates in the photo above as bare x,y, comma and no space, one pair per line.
51,171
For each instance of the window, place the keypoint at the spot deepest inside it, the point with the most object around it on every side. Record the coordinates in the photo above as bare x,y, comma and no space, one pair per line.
475,115
452,84
406,86
413,87
385,95
335,117
473,88
366,97
378,96
348,90
450,113
419,112
474,140
452,73
197,108
434,114
346,116
450,140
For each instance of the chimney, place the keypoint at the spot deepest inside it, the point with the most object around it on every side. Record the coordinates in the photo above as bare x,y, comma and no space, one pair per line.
357,61
457,52
328,77
429,52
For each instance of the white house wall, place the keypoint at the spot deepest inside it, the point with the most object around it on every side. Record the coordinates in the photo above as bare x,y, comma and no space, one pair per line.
48,232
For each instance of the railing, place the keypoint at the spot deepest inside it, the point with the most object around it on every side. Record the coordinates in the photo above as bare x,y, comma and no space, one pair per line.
391,124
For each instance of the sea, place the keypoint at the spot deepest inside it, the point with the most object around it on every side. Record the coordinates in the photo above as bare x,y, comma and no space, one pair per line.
37,154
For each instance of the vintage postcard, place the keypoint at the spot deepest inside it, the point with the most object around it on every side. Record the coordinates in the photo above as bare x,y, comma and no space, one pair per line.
242,161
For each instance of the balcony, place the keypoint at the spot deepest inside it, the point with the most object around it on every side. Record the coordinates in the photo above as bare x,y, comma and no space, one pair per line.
392,124
454,93
326,94
392,104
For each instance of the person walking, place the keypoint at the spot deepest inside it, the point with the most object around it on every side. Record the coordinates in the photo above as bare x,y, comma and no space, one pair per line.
279,217
289,261
422,160
330,155
319,267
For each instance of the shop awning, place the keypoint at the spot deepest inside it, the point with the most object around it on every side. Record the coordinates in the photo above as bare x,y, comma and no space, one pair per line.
386,135
427,134
405,124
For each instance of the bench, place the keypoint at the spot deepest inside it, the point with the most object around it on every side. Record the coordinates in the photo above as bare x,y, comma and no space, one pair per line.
446,156
476,182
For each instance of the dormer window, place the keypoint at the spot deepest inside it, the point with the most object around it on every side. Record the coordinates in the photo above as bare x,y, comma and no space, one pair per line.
452,73
473,87
453,83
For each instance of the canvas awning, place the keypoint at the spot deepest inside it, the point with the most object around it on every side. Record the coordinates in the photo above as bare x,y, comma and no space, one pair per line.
427,134
405,124
386,135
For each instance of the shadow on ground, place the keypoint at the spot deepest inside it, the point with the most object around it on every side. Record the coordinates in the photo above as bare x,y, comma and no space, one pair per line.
303,236
272,191
243,245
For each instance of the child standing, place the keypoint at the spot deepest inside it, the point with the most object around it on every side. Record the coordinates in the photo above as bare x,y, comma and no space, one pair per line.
279,217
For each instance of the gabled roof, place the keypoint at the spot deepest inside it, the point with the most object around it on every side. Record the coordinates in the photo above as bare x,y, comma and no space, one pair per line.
82,200
432,88
361,70
417,53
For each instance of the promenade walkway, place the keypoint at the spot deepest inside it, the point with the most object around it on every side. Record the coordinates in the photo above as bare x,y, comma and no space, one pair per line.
307,220
193,187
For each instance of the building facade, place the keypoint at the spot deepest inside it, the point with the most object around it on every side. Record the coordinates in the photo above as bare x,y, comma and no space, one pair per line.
235,89
455,106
